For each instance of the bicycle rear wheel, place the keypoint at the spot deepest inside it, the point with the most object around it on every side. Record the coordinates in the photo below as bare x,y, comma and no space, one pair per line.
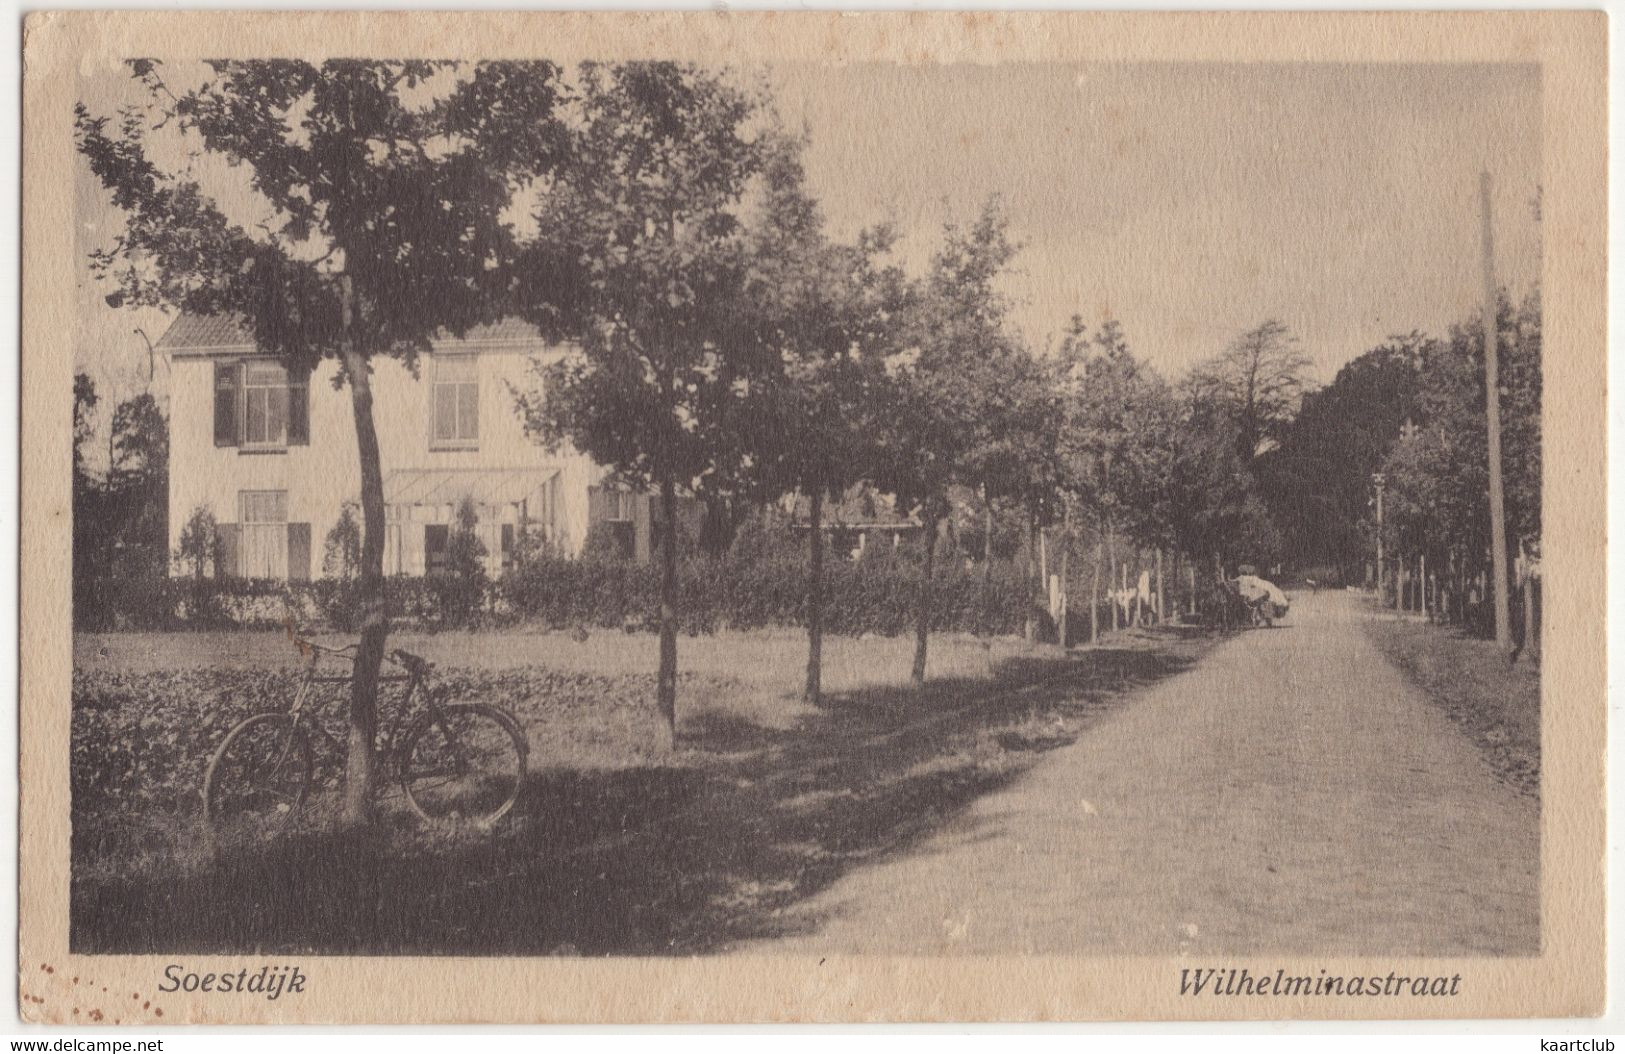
463,763
257,779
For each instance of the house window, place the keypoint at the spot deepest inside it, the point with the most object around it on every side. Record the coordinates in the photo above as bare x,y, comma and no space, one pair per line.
436,548
456,406
262,543
261,405
508,547
612,513
265,405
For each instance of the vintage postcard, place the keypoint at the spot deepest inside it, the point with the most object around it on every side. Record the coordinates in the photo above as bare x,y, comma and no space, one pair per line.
723,517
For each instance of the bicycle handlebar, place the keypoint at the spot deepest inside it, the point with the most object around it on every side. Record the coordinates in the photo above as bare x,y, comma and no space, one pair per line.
406,660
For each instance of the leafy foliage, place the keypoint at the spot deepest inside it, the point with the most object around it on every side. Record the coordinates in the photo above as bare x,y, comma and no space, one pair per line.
1318,482
381,190
1438,470
876,595
341,551
642,224
120,514
462,588
196,546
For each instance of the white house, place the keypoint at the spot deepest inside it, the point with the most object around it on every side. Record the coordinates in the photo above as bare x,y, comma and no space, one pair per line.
273,456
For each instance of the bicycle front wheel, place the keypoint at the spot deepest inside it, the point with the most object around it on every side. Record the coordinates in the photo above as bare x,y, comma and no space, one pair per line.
257,779
463,763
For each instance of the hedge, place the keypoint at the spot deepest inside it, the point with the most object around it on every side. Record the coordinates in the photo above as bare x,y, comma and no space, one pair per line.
869,596
244,603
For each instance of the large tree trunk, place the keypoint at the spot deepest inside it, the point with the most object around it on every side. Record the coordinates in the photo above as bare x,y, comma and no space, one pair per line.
815,596
922,622
666,684
359,775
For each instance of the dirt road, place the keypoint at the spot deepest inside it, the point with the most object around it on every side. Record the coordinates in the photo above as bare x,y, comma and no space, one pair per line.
1290,794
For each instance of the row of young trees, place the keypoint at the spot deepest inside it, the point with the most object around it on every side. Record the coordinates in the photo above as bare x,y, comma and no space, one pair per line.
656,217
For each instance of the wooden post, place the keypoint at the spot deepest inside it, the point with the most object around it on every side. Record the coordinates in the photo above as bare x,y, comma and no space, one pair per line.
1120,573
1492,403
922,620
982,619
1111,579
1043,555
1066,553
1034,577
813,687
1531,632
1379,480
1190,574
1159,584
1094,592
1134,603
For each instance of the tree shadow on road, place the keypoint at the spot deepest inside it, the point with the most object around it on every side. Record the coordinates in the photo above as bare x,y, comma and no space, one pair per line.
688,856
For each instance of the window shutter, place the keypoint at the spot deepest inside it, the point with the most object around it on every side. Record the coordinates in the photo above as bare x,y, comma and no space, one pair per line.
595,504
468,411
298,552
299,406
226,384
225,550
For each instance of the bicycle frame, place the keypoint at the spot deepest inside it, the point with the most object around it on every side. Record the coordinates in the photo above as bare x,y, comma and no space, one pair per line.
412,680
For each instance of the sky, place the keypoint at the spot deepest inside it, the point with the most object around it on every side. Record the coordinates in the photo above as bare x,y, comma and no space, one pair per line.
1188,201
1193,201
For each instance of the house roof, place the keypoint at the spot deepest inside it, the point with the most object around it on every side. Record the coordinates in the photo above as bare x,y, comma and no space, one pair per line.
199,333
203,335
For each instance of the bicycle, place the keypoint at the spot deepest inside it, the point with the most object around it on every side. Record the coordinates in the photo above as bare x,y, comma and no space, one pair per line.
461,762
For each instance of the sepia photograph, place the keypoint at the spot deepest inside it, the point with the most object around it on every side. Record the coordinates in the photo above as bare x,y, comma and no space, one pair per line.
745,506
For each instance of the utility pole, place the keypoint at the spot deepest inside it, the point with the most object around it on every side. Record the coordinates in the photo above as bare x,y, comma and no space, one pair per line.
1378,480
1492,399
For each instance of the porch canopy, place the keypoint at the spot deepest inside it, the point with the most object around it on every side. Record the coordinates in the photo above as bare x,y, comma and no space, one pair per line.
488,487
419,501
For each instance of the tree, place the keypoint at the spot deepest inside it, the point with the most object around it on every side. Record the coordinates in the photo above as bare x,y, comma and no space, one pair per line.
831,315
645,220
1117,441
1438,470
195,551
84,423
462,588
138,484
1317,483
92,526
341,552
374,196
944,383
1013,456
1259,382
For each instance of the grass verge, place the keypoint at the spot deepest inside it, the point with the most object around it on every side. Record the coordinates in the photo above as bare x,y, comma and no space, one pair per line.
1495,702
616,847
